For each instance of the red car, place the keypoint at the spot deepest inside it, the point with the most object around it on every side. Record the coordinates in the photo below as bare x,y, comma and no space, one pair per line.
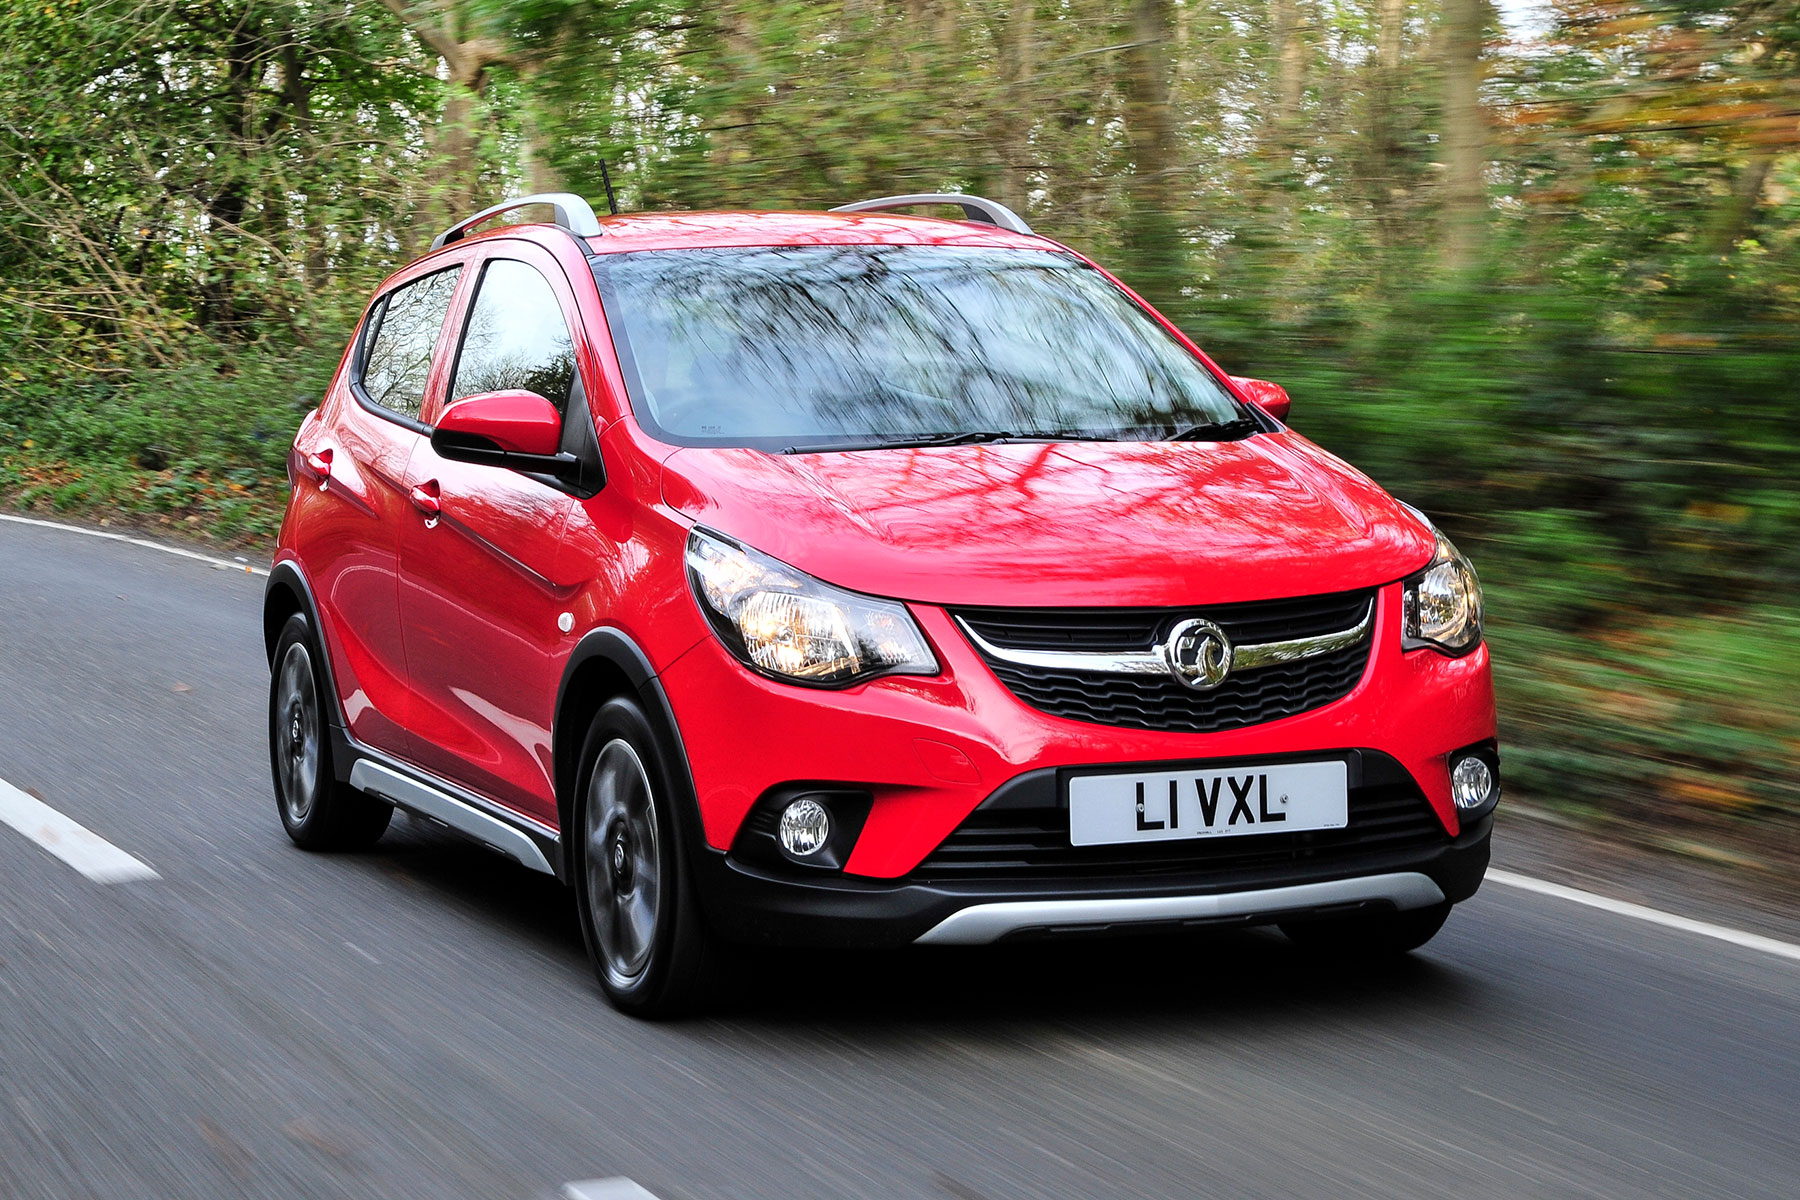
862,579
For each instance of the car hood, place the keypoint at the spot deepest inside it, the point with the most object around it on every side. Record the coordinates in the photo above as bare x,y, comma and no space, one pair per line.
1060,524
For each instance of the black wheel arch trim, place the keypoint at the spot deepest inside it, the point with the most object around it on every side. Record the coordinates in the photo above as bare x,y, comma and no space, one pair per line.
617,649
288,576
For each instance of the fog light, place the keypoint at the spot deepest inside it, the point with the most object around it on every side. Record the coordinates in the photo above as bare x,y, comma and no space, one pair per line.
805,825
1471,783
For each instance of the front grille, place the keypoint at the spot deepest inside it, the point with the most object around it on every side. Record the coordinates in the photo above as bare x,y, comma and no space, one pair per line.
1116,629
1387,820
1159,702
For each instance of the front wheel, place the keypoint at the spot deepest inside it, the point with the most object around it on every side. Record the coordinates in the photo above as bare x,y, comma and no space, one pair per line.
1369,935
639,914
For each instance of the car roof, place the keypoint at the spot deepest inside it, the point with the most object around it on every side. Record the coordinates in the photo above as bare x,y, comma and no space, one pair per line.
677,230
692,230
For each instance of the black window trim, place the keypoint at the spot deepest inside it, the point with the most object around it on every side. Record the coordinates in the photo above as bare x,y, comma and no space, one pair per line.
371,327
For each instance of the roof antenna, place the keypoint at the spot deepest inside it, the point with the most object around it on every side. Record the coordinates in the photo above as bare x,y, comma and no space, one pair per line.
606,178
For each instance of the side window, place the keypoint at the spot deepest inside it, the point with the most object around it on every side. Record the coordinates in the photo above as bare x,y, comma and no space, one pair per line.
515,337
397,358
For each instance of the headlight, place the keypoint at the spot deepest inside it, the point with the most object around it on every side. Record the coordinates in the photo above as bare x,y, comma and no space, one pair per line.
785,623
1441,605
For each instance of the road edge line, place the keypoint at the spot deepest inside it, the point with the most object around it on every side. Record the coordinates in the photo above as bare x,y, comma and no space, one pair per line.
1641,912
144,543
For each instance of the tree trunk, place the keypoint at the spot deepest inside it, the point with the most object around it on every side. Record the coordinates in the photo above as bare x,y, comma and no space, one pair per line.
534,152
307,235
949,31
1732,222
1016,40
1384,119
1391,39
1153,242
1290,62
1465,135
457,138
229,199
442,26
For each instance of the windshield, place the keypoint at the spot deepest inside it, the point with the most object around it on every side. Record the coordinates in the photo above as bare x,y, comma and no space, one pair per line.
840,347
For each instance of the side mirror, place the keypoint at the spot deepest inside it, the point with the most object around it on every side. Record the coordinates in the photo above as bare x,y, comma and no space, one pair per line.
516,429
1272,398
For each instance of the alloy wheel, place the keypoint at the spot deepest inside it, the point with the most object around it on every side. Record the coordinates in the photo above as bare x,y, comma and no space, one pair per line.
297,733
624,875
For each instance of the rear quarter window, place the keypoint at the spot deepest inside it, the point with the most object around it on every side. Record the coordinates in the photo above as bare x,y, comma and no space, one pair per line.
401,340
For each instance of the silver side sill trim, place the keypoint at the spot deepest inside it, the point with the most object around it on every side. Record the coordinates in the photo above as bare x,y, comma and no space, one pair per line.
980,924
1152,662
416,796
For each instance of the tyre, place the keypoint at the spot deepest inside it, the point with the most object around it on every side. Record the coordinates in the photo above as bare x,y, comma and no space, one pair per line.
318,812
639,913
1369,935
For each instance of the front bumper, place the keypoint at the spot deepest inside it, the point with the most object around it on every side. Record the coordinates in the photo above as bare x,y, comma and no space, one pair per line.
930,750
747,904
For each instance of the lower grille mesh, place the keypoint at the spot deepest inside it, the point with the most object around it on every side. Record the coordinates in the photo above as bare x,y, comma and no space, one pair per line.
1029,843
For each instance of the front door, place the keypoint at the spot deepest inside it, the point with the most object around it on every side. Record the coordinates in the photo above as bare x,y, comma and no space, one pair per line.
479,599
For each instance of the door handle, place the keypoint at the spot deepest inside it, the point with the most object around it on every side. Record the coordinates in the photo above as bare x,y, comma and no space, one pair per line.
319,462
425,499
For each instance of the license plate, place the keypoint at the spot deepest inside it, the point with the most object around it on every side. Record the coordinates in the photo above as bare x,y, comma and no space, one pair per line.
1159,806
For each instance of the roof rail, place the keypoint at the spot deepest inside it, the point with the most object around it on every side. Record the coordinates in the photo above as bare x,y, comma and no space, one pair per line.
572,213
975,208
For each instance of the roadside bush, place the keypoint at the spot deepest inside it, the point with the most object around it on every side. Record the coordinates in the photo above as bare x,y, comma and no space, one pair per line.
224,411
203,443
1685,720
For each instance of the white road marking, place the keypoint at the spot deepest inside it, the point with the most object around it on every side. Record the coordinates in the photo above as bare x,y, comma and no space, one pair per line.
223,564
358,949
1655,916
618,1188
81,848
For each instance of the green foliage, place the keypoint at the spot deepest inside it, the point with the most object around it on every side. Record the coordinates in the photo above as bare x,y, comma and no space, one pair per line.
194,166
1690,713
220,412
203,442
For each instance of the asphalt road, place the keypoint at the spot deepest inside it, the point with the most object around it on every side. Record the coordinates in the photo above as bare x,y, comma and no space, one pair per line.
419,1021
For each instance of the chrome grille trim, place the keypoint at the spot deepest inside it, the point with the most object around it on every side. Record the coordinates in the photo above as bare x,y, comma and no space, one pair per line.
1151,662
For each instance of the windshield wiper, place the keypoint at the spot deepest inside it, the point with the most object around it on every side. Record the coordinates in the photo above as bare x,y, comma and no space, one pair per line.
1218,431
907,442
913,441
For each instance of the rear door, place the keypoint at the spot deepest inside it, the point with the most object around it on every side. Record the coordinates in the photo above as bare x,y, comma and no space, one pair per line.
479,599
356,501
